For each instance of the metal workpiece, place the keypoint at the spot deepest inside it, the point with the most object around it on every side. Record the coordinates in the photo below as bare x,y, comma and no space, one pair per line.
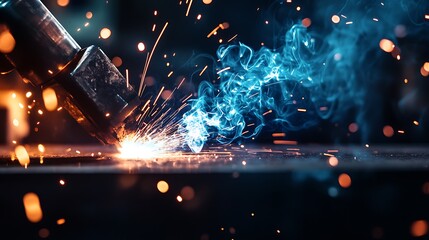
253,158
96,94
43,47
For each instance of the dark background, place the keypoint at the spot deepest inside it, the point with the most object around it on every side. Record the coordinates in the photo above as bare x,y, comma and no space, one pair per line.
380,204
388,101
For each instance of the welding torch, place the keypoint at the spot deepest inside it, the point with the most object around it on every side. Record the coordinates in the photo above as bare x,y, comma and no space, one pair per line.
86,82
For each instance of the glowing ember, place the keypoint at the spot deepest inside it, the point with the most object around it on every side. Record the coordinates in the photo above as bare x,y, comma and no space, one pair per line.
344,180
279,134
388,131
7,42
222,26
22,155
63,3
387,45
61,221
353,127
105,33
162,186
419,228
423,72
426,66
117,61
333,161
33,211
50,99
89,15
41,148
335,19
306,22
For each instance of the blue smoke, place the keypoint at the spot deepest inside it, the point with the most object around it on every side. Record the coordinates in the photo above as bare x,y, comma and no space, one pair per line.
309,77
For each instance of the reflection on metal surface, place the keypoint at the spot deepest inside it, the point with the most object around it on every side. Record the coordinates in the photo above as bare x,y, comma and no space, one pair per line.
254,158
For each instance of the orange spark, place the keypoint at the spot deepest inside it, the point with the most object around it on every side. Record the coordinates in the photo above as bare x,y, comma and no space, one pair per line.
22,155
50,99
285,142
204,69
189,8
63,3
388,131
234,37
149,59
222,26
387,45
279,134
419,228
335,19
345,180
333,161
61,221
88,15
105,33
162,186
33,210
306,22
127,78
267,112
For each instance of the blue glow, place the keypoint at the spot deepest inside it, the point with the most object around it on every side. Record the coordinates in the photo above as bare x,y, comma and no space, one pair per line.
308,78
254,84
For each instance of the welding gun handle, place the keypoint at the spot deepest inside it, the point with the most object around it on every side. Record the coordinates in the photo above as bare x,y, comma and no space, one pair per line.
88,85
43,47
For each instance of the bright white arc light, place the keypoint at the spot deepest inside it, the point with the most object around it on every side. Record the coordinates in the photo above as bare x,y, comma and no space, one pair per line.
146,148
139,151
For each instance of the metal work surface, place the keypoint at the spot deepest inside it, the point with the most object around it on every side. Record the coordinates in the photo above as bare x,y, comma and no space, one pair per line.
249,192
249,158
